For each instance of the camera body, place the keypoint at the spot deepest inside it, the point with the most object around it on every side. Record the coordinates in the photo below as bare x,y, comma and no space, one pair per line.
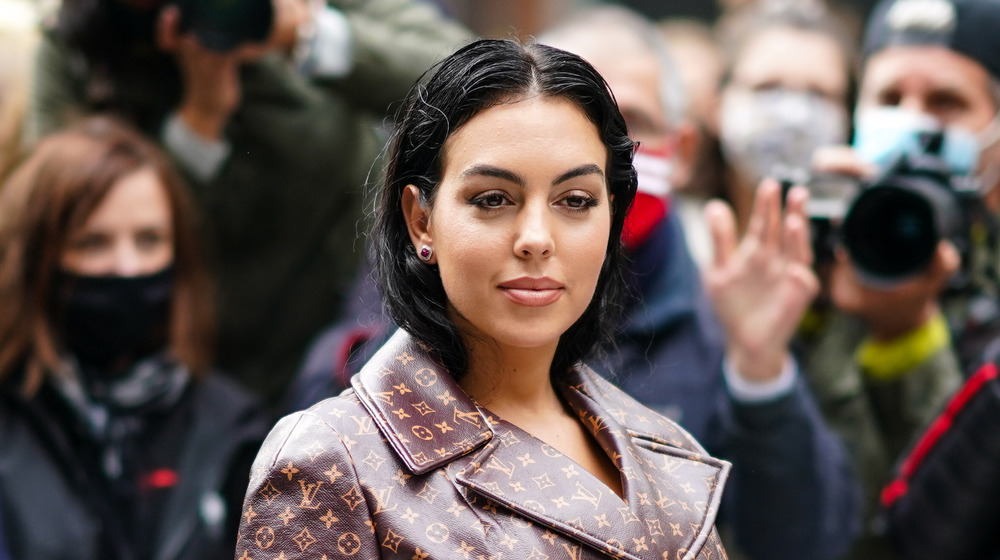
891,226
222,25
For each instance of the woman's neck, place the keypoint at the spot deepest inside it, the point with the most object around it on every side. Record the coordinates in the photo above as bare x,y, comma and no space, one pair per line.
513,383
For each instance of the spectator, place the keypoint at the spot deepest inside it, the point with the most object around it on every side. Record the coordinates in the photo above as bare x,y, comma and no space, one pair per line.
482,433
786,91
277,157
18,36
943,500
792,493
117,441
884,362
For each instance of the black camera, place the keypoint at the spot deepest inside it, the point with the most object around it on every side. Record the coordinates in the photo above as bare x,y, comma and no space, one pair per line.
891,226
221,25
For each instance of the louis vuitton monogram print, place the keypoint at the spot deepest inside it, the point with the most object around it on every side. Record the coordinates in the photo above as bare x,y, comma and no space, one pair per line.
408,467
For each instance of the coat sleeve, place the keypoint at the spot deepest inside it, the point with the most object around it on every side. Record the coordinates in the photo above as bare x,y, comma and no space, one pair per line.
394,42
785,456
304,498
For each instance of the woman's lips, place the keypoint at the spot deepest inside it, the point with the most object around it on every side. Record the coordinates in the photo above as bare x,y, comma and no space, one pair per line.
532,292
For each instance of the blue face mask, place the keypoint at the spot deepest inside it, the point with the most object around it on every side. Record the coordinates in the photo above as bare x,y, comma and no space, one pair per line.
883,133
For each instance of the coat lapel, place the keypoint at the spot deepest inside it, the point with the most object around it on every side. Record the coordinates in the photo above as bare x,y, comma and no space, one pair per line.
672,488
427,418
671,494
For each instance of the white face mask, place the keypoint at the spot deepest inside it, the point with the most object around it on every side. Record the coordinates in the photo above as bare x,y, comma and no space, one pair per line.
884,133
773,133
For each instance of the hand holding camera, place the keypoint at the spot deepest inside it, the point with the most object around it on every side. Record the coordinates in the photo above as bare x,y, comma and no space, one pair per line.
211,39
898,237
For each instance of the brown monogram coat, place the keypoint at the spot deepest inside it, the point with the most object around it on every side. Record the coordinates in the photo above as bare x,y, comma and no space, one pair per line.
406,466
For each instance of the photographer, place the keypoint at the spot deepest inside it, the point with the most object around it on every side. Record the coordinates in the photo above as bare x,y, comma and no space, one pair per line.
274,112
884,355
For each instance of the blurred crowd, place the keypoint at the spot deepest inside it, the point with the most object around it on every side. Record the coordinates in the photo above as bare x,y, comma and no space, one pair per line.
185,191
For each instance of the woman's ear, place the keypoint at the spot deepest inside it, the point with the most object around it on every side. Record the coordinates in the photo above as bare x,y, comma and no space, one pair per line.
418,220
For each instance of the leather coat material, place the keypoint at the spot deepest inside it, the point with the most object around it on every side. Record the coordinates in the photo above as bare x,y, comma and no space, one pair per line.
405,465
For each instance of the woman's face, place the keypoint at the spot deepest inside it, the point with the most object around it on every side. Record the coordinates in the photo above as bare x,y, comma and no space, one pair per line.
793,59
520,221
129,234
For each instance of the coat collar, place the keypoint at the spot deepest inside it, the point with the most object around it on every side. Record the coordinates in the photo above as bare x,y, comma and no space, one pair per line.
427,418
671,487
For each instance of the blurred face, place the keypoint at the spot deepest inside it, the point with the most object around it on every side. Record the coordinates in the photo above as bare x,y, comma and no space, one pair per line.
520,221
932,80
792,59
785,99
635,81
950,87
129,234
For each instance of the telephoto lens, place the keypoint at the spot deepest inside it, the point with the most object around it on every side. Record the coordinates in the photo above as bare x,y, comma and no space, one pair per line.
222,25
893,227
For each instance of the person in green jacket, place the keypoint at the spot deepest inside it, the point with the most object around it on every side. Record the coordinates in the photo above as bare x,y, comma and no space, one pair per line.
277,134
884,356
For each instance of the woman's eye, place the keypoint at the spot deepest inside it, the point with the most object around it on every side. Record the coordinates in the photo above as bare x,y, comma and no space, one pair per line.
149,240
90,243
491,200
579,202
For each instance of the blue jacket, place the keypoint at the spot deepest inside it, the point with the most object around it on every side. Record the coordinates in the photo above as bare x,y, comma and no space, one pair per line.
792,494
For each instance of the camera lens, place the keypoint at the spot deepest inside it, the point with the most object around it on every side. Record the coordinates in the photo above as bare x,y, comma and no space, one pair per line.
890,232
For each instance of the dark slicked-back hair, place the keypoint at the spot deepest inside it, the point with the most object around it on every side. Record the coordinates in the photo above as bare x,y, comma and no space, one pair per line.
481,75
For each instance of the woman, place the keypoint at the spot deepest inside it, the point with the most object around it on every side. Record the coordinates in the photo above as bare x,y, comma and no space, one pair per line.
786,90
476,431
117,443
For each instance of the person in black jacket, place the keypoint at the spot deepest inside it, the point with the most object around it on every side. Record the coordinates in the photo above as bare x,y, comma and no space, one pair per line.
943,502
117,443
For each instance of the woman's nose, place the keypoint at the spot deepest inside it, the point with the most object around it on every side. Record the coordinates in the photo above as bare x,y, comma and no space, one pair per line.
128,260
534,235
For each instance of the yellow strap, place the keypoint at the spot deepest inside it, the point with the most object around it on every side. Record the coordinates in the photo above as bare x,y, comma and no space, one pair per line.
888,361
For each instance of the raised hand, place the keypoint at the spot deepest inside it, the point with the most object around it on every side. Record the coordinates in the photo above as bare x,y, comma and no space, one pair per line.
762,284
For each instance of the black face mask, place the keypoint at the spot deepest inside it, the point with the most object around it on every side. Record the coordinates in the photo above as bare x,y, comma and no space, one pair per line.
109,321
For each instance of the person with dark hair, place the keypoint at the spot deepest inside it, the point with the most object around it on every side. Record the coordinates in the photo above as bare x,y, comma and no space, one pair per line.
118,440
276,135
477,430
791,493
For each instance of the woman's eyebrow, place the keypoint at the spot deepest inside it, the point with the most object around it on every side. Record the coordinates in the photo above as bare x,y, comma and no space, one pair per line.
493,171
510,176
587,169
